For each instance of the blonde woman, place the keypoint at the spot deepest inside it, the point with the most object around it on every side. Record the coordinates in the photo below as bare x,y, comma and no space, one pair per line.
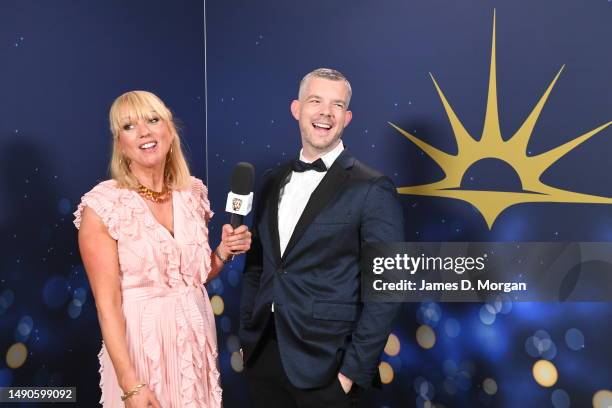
143,237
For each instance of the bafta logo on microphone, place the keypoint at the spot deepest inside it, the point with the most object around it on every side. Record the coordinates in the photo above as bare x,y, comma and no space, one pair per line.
236,204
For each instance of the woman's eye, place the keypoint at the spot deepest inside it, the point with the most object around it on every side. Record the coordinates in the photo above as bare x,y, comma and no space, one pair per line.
153,120
128,126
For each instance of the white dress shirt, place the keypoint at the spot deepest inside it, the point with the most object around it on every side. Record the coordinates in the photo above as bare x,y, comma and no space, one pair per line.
296,193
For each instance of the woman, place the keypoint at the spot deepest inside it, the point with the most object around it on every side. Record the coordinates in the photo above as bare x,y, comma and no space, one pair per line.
143,237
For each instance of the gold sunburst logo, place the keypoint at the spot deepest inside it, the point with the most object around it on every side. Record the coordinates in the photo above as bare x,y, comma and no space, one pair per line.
492,146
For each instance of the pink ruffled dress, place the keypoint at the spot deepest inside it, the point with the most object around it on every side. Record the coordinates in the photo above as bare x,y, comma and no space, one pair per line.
170,326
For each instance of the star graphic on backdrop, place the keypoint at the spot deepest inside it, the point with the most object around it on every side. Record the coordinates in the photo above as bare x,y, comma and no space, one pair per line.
492,146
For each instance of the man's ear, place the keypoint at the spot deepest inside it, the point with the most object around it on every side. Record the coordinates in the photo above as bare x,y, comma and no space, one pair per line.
295,109
348,116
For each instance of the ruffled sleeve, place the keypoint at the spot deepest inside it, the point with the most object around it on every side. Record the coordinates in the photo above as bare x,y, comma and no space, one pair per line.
200,191
199,195
101,199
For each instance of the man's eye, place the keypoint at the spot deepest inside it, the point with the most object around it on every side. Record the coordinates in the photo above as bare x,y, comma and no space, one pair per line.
128,126
153,120
340,105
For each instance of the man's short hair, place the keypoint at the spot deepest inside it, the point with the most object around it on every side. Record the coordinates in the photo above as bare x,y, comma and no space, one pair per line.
326,73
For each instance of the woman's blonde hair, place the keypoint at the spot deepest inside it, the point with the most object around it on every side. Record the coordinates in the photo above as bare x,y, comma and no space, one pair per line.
143,105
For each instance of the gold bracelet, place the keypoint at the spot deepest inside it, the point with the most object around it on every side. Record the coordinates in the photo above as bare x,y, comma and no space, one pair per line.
132,392
223,260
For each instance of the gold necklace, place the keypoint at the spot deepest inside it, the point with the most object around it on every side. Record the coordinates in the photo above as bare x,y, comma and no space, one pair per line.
156,197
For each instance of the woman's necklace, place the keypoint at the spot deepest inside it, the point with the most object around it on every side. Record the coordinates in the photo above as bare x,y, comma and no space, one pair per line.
154,196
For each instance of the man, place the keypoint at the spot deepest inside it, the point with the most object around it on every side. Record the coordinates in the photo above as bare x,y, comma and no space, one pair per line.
308,338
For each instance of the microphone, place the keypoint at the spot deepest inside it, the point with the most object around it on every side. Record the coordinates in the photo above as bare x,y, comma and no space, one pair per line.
240,198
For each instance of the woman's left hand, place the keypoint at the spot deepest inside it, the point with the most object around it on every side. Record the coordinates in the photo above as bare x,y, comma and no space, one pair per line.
234,241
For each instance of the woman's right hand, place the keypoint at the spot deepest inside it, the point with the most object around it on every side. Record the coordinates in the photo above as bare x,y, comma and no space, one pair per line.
144,399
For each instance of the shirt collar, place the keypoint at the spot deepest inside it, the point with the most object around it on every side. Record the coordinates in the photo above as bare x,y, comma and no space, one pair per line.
328,158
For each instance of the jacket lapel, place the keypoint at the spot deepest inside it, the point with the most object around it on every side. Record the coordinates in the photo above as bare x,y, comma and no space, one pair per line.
277,184
320,197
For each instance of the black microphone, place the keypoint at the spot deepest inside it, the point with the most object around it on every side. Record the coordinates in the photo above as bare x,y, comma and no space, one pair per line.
240,198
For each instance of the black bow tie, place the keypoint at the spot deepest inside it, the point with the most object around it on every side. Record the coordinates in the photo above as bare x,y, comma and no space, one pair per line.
316,165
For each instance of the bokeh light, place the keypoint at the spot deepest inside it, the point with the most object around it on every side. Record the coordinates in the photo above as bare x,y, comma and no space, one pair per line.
80,294
541,335
541,345
217,304
236,362
487,314
16,355
6,300
425,336
489,386
24,327
602,399
560,399
216,286
424,389
506,304
495,302
429,313
574,339
423,403
545,373
548,349
74,308
386,372
392,348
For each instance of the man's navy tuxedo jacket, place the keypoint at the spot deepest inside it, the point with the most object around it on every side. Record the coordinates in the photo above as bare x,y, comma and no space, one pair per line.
322,324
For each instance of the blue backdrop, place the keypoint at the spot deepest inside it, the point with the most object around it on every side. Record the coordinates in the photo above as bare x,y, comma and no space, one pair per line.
64,62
